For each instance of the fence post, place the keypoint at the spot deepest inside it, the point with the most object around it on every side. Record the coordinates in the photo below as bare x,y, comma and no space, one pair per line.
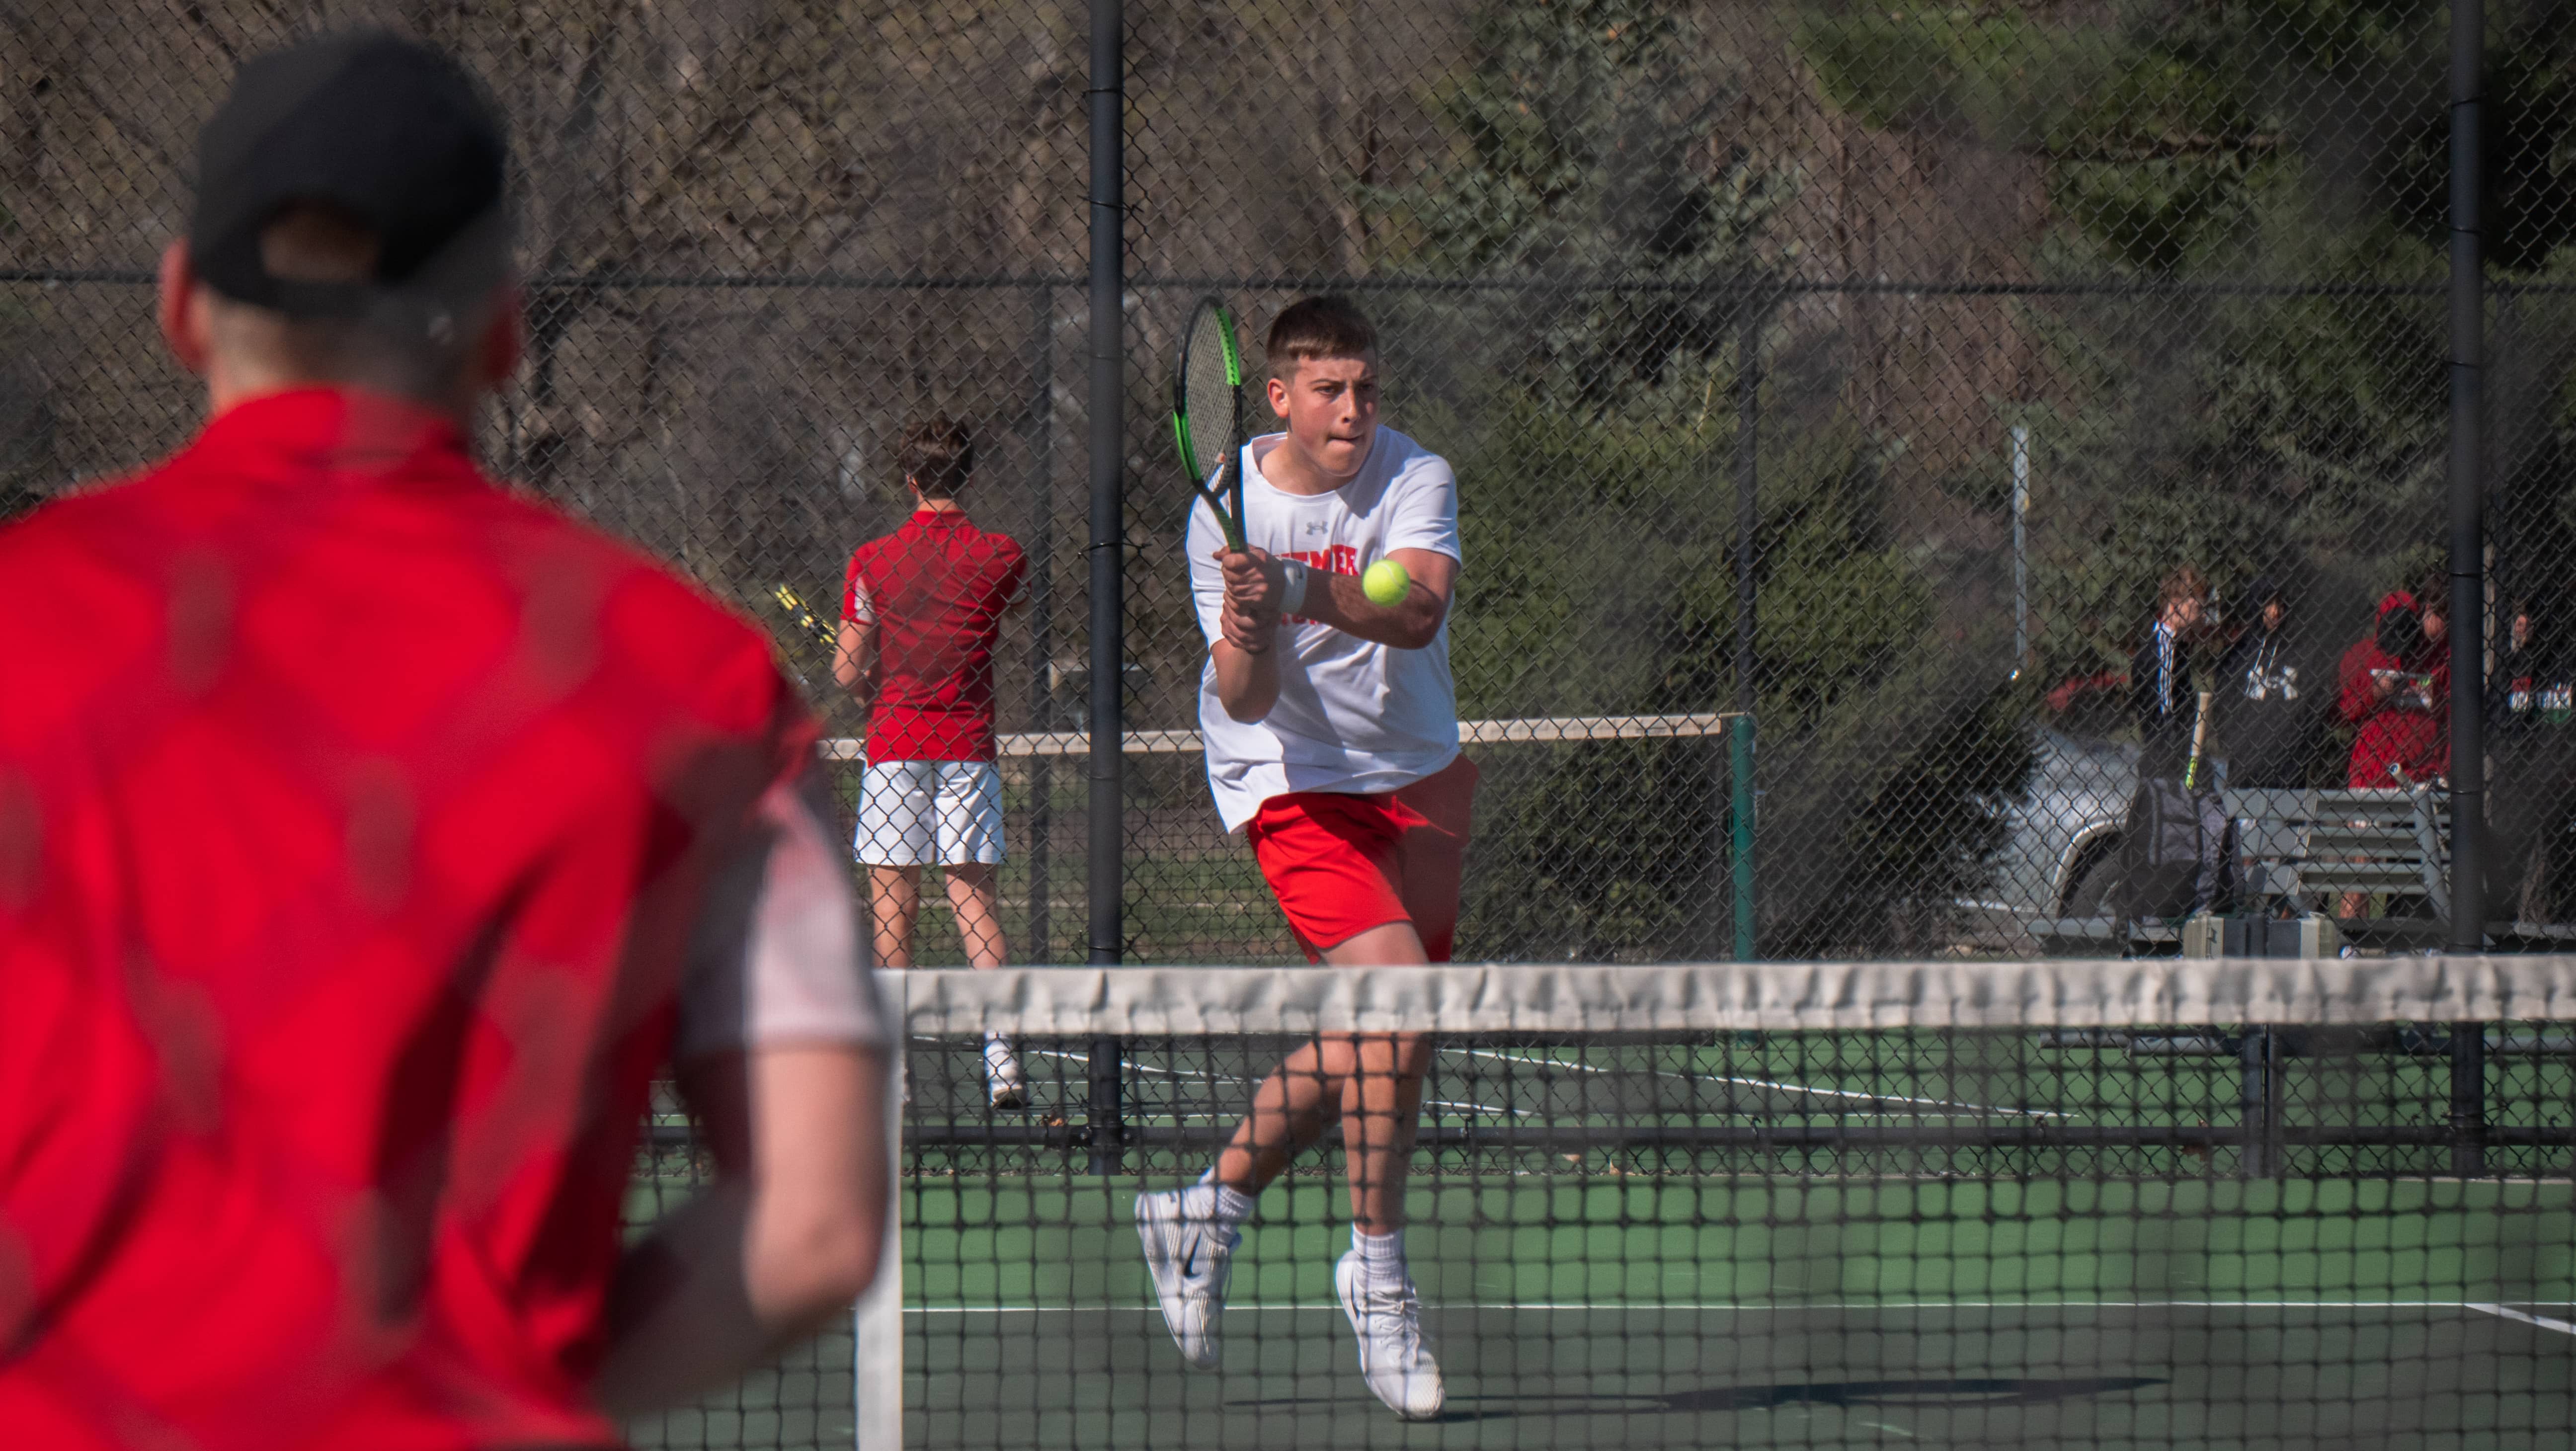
2021,548
1748,517
2468,480
1041,422
1107,755
2468,566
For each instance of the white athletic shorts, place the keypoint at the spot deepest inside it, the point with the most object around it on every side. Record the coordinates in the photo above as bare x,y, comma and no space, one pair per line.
929,813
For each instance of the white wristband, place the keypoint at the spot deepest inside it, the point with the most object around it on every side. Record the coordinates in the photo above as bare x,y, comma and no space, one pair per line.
1292,592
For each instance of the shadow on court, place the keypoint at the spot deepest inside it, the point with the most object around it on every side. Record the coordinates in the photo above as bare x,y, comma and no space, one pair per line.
2225,1376
1830,1393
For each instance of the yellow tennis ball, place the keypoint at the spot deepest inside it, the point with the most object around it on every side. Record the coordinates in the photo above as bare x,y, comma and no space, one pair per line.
1385,582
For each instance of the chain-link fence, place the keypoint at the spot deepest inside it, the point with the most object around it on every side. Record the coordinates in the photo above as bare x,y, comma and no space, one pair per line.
1834,392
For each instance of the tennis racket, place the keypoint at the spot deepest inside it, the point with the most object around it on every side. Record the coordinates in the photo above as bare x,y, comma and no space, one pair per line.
2199,742
794,605
1207,415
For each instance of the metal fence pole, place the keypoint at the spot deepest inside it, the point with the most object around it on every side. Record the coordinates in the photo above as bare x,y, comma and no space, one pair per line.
1107,99
2021,547
2468,566
1748,518
2468,482
1037,944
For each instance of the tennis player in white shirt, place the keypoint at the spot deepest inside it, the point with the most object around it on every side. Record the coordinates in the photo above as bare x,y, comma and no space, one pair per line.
1331,725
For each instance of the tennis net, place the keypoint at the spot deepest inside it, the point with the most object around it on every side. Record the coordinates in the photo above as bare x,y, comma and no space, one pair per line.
2081,1203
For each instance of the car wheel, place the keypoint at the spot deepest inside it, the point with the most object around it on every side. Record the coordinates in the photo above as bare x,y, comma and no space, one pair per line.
2095,878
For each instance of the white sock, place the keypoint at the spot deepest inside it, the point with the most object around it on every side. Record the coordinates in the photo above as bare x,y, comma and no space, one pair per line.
1381,1256
1225,1205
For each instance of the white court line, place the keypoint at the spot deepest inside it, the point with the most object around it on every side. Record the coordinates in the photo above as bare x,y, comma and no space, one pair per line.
2507,1312
1875,1098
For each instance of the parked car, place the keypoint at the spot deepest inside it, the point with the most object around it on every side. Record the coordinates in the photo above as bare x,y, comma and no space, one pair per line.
2062,834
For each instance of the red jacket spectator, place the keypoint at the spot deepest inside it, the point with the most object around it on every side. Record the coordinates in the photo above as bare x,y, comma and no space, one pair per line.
2394,686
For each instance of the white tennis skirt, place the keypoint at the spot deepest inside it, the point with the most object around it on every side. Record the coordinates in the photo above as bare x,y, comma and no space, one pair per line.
929,813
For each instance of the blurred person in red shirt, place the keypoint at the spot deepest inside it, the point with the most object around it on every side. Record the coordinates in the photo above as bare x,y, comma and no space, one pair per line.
921,610
371,836
2395,685
2395,689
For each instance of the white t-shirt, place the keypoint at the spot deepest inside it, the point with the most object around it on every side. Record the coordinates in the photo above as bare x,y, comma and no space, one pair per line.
777,956
1352,715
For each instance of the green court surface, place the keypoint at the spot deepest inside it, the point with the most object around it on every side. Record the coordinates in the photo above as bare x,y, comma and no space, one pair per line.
2201,1375
1776,1313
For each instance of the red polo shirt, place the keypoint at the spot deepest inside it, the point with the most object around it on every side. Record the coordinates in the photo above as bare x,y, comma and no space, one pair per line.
352,815
936,589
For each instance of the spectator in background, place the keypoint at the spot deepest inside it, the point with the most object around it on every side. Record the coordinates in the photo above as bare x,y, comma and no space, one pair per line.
2267,713
920,612
2392,684
2529,687
2160,688
2531,763
2394,687
2176,859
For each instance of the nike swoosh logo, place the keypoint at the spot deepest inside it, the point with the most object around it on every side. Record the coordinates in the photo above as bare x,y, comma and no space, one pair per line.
1190,1262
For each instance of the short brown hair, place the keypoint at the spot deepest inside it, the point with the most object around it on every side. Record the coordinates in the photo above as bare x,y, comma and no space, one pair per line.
1327,325
2434,597
937,455
2185,583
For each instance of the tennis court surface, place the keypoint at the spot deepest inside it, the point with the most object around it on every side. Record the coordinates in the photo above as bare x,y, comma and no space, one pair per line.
2219,1203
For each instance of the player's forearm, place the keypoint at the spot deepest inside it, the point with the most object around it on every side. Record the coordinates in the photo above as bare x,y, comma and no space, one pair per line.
684,1317
854,662
789,1233
1247,683
1411,623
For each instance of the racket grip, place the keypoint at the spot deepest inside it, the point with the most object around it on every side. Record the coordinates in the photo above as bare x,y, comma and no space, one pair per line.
1229,488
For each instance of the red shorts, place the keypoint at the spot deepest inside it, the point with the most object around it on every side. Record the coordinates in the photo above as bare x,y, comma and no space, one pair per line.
1342,862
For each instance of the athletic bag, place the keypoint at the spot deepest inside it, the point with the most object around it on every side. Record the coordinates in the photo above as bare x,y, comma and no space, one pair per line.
2178,854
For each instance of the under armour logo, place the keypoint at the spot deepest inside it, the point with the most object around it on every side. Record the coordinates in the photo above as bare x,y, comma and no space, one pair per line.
1314,526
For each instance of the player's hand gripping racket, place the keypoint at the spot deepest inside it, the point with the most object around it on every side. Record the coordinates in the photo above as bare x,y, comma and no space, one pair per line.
1207,415
2199,742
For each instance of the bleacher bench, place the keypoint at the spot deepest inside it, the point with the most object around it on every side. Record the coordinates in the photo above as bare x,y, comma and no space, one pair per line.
2305,850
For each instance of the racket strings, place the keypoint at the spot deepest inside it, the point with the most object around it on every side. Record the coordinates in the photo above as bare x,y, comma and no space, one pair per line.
1208,395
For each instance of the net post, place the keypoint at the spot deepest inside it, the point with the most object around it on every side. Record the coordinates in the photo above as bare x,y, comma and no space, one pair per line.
2468,1099
876,1321
2260,1099
1105,1130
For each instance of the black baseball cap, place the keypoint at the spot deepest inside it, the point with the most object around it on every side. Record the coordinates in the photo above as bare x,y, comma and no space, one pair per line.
393,133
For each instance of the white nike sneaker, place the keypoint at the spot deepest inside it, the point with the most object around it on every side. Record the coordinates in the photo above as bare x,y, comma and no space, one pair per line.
1189,1259
1004,1083
1393,1360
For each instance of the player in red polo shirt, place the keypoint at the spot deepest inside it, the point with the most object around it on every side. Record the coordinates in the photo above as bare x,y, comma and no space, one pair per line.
921,609
369,838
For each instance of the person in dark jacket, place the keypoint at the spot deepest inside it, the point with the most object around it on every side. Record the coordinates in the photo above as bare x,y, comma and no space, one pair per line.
2176,854
2530,687
2161,694
2267,707
2531,768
